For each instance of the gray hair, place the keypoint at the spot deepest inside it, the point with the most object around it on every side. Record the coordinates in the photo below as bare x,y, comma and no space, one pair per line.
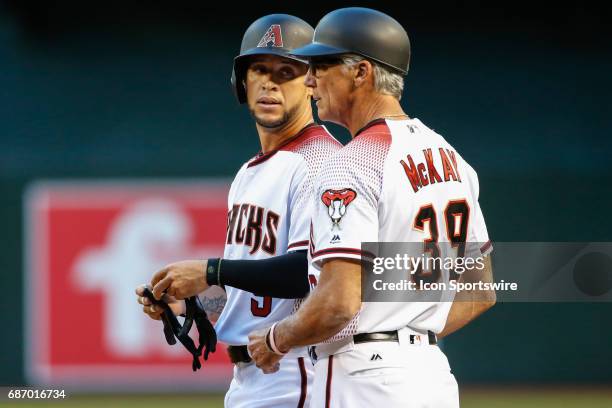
385,81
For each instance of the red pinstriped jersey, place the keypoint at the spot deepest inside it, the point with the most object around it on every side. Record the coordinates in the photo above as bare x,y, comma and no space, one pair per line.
269,212
396,181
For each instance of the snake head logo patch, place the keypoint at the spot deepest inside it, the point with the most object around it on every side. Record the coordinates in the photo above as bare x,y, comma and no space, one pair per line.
272,37
336,202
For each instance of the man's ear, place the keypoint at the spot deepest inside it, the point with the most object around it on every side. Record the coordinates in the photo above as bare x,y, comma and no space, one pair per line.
363,71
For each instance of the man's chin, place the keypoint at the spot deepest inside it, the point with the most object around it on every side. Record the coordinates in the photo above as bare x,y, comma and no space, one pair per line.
323,115
270,122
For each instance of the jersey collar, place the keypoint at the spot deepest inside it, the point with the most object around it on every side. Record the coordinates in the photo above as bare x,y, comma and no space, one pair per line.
369,125
262,157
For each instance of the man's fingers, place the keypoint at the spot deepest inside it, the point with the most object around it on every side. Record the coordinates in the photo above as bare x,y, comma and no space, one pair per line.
257,334
154,316
152,310
140,290
161,286
175,293
271,370
159,276
144,301
253,347
264,361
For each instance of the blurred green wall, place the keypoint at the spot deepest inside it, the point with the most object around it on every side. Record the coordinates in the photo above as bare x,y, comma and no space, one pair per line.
531,116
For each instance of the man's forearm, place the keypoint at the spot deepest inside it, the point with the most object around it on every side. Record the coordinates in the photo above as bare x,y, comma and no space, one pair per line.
462,313
468,305
328,309
284,276
313,323
213,301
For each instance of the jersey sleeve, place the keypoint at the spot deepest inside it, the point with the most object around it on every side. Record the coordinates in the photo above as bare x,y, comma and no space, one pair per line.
346,201
300,208
478,236
311,154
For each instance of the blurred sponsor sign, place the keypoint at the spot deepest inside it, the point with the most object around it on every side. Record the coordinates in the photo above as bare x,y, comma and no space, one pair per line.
88,245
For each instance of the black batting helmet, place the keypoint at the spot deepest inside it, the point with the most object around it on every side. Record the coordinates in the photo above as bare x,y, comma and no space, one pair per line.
361,31
276,34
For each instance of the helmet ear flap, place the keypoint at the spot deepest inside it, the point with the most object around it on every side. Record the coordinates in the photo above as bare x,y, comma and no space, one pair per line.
233,82
238,83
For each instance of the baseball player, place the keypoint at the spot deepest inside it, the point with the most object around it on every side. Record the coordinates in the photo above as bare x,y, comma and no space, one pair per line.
269,212
396,181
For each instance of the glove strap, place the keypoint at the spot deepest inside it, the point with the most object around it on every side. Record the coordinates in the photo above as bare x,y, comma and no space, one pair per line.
172,327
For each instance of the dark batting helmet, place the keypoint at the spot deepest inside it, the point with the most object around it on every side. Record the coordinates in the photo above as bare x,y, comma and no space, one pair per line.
275,34
361,31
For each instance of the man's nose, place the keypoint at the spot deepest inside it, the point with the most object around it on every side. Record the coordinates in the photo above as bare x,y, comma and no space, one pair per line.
310,80
269,84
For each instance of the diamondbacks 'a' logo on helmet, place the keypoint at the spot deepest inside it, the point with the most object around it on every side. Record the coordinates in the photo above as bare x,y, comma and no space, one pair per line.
272,38
336,202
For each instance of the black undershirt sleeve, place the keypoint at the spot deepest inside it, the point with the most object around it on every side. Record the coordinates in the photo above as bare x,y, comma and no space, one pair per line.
284,276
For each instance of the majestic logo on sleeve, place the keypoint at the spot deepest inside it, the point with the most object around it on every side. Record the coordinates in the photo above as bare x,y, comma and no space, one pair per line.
336,202
272,37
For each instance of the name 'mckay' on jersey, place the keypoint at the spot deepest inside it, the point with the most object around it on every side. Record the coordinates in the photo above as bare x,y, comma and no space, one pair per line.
396,181
269,212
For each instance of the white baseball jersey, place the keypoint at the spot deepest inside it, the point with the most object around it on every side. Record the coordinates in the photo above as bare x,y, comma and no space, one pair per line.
396,181
269,212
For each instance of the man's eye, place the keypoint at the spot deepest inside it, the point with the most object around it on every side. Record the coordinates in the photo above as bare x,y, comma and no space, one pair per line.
317,70
286,73
319,67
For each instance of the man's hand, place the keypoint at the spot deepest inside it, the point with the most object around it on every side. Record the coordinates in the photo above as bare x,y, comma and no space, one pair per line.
154,312
180,279
265,359
469,304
